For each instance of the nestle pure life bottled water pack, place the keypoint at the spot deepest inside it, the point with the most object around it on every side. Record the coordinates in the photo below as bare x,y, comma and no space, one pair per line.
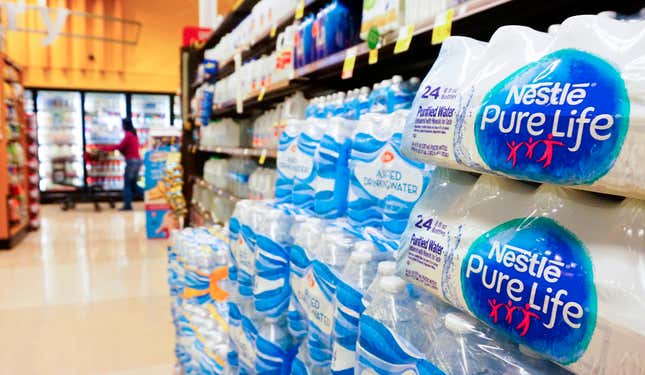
564,108
557,270
406,332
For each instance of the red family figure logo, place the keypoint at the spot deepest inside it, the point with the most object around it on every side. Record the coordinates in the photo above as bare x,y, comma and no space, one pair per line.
524,324
547,156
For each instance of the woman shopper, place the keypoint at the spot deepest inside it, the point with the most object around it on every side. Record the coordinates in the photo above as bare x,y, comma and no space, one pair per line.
129,147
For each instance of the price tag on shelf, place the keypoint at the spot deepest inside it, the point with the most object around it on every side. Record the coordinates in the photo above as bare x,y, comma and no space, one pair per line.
273,31
237,4
263,156
262,92
404,39
373,57
350,62
300,9
442,26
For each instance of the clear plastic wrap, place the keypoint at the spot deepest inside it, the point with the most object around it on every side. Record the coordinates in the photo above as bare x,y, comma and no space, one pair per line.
566,108
560,271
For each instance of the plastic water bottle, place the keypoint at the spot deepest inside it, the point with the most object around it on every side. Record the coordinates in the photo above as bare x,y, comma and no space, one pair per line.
271,291
356,277
384,269
331,161
391,333
275,349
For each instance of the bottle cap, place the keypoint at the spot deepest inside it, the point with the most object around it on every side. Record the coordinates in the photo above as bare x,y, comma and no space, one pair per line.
386,268
397,79
365,246
360,257
392,284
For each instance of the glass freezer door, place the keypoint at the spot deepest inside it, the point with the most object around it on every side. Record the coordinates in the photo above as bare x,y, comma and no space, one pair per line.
149,111
103,114
60,140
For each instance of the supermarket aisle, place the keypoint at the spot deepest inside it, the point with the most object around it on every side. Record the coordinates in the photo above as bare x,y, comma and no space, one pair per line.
86,294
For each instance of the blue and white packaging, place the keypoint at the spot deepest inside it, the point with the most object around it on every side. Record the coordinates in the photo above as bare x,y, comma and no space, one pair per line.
303,184
271,290
384,184
357,275
551,274
366,190
331,181
289,162
563,108
404,179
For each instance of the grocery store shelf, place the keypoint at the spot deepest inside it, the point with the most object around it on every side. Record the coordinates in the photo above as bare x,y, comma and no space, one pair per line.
17,228
16,234
201,182
336,60
273,93
240,151
241,9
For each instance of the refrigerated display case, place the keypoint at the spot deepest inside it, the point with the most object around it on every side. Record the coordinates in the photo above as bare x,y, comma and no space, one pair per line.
149,111
177,120
103,114
60,140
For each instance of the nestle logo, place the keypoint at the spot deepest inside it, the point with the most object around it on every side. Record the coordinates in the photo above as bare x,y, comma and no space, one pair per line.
387,157
549,93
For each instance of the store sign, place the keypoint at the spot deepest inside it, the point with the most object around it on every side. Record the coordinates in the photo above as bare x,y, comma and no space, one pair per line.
195,35
53,18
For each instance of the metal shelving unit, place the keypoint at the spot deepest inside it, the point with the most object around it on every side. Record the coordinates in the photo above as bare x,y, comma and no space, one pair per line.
478,19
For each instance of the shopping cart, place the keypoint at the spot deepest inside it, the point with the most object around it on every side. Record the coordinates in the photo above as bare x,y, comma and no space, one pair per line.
93,193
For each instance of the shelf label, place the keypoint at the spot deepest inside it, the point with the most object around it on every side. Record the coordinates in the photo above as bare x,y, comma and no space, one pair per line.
442,26
350,62
273,31
300,9
404,39
237,4
262,92
263,156
373,57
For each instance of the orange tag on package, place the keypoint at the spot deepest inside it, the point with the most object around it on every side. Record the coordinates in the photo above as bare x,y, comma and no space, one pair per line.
217,293
442,26
350,62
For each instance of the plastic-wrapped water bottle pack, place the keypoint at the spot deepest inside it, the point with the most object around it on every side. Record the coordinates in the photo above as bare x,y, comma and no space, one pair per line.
198,261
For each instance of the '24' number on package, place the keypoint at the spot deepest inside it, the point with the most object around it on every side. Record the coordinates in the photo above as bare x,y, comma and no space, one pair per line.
428,92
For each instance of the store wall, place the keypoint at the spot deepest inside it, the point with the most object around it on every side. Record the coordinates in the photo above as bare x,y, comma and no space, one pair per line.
151,65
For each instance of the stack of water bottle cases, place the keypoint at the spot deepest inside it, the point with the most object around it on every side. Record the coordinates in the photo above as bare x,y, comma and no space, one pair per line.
373,261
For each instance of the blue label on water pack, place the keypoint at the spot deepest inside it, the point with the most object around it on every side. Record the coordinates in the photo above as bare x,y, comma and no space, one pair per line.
271,290
561,119
349,307
533,279
206,362
363,206
287,165
246,261
271,359
382,352
332,176
303,154
317,300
